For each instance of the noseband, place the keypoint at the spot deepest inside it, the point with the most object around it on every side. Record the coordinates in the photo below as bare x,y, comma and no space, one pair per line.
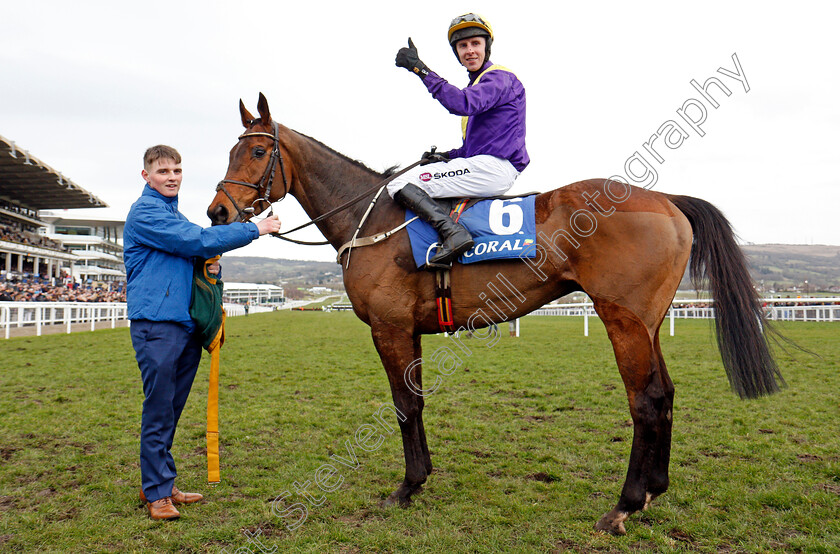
267,179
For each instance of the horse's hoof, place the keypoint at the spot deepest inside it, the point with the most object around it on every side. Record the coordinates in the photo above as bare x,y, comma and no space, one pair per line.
402,496
613,523
648,500
395,499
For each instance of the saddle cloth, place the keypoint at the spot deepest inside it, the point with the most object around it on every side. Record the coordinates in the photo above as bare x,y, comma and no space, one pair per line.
501,227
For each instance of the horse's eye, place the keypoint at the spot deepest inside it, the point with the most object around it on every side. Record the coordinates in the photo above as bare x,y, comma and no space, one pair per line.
259,151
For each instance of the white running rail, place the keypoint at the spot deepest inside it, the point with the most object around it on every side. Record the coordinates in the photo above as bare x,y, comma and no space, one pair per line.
776,309
70,314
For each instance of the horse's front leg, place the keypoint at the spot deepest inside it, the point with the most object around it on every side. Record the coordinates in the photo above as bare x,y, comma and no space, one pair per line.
399,349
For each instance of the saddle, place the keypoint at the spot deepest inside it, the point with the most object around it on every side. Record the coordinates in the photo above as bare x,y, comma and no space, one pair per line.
422,232
502,227
456,207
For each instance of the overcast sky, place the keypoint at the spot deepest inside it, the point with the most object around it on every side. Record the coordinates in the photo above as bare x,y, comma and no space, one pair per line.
88,86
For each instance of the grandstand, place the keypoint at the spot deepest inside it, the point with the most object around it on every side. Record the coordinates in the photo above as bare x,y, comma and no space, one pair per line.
252,293
95,239
28,185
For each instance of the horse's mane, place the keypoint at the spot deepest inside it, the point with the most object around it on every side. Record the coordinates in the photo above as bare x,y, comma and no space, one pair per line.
387,173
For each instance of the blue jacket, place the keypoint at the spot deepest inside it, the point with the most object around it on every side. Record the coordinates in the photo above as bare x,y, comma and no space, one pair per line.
160,244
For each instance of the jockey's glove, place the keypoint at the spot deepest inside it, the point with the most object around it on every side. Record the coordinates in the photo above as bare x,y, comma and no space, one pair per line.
407,58
433,157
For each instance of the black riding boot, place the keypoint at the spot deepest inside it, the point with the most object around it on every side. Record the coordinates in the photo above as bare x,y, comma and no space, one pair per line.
454,238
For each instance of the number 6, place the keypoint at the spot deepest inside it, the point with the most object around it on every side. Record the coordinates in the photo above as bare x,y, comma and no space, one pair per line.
496,219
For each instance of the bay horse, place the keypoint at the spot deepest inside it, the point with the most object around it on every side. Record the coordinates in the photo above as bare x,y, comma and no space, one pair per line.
625,247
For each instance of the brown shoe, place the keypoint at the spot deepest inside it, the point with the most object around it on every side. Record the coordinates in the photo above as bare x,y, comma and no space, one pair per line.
179,497
163,509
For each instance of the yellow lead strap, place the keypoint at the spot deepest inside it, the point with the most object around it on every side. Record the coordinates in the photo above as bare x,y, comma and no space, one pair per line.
207,311
213,471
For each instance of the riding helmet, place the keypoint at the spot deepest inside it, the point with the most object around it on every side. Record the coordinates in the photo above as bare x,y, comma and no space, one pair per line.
470,25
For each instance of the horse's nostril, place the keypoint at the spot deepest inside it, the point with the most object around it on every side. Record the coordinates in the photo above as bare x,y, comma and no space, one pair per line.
217,215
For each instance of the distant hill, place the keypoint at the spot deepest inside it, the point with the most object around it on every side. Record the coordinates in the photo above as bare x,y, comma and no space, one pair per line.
781,266
281,271
778,266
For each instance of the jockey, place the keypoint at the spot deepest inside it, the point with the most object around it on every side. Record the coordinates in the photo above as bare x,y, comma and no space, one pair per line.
492,110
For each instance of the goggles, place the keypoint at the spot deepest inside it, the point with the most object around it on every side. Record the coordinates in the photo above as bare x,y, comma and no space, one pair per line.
469,20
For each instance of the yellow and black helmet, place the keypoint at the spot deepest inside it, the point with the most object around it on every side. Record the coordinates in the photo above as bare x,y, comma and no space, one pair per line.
470,25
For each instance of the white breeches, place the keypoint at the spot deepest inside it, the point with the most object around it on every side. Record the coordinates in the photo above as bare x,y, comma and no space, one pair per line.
476,177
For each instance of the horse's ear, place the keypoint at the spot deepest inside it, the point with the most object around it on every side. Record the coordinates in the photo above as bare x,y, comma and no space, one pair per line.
247,118
262,106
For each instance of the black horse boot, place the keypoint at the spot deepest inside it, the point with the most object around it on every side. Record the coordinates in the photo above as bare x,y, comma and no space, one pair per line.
454,238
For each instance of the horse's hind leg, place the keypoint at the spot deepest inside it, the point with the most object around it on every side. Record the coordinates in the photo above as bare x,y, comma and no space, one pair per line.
658,477
650,394
398,349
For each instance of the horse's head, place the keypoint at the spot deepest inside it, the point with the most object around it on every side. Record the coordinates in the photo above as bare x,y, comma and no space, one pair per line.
259,171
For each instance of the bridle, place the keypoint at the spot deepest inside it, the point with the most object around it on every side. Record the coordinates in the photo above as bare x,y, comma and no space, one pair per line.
243,214
267,179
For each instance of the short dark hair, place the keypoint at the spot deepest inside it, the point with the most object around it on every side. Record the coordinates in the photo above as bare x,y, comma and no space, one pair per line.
161,151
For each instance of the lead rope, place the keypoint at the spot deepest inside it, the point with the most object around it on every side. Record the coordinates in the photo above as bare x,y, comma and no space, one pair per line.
213,472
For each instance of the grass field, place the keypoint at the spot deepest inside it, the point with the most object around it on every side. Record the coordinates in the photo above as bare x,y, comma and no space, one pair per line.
530,443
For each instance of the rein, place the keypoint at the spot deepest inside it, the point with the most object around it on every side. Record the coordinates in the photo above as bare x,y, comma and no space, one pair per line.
243,214
341,208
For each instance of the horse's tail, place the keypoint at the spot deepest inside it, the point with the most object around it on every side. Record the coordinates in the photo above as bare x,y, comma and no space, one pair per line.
739,318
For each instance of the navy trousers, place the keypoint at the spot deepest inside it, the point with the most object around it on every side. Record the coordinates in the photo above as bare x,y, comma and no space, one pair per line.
168,356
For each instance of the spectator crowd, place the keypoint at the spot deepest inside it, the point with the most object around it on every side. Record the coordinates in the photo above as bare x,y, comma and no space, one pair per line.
26,287
16,234
39,289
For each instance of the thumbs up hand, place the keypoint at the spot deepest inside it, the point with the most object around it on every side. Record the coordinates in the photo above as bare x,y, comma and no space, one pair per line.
408,58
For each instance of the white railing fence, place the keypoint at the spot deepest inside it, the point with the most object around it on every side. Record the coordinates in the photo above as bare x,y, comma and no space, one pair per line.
68,314
233,310
40,314
776,309
37,315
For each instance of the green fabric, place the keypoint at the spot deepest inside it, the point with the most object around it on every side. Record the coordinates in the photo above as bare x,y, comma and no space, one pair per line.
206,308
